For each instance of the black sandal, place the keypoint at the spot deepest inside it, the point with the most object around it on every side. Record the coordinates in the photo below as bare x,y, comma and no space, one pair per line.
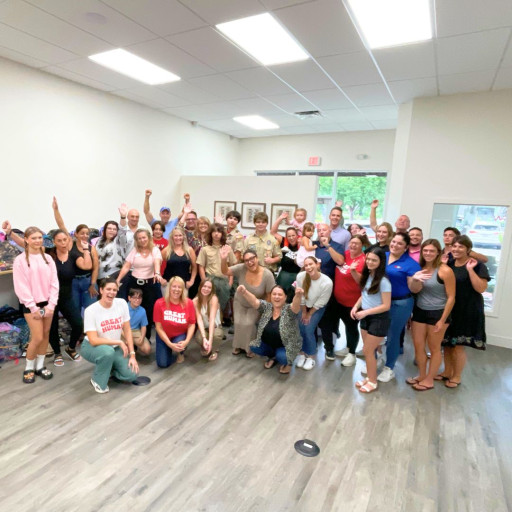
44,373
29,376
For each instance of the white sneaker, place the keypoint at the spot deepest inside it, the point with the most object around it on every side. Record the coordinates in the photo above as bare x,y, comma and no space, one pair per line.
309,364
350,360
342,352
360,353
301,359
386,374
97,388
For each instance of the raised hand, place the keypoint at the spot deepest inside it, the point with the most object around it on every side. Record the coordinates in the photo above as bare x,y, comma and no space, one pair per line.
422,275
353,266
471,263
123,210
6,226
219,218
375,203
224,251
186,196
241,289
55,205
299,291
148,192
339,203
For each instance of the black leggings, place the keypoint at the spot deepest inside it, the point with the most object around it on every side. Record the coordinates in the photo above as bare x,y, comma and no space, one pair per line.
151,292
351,330
71,312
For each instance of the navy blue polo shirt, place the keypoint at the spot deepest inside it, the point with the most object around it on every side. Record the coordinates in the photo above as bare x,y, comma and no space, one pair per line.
398,272
328,265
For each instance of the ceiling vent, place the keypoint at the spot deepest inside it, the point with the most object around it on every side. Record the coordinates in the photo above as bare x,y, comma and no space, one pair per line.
308,114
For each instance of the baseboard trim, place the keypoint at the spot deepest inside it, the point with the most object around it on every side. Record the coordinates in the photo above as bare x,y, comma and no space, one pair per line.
499,341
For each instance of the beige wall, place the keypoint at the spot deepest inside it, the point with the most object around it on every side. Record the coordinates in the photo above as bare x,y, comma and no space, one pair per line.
457,149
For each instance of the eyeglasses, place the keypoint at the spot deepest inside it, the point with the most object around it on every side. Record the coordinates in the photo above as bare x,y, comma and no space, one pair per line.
136,297
248,260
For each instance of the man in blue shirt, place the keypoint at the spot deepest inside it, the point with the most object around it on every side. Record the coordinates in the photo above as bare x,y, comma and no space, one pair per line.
338,233
165,215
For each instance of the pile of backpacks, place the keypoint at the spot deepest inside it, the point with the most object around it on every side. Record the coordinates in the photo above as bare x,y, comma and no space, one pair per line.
14,333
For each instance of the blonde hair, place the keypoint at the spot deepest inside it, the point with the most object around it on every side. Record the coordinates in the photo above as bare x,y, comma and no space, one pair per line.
389,229
303,210
197,233
170,249
184,294
136,241
30,231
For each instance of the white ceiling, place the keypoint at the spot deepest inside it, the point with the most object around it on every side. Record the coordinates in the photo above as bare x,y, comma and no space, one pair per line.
353,88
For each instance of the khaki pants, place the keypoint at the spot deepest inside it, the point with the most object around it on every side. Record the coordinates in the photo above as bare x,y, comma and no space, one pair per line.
218,334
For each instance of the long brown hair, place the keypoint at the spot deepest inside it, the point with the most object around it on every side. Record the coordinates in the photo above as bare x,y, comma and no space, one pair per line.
306,284
437,262
200,295
30,231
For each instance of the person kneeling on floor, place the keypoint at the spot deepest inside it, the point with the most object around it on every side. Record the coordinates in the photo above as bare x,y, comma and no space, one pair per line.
138,322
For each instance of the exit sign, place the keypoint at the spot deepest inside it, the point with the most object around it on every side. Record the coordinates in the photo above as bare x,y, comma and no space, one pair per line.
314,160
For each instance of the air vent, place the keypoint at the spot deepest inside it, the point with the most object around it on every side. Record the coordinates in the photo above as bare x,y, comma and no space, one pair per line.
307,114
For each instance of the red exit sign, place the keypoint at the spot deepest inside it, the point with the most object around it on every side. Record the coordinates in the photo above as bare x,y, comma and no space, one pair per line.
314,160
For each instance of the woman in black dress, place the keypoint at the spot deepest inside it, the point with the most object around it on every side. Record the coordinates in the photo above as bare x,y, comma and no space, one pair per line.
468,321
179,259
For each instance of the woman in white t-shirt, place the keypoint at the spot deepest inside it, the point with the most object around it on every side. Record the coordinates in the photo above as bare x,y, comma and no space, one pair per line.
145,261
372,310
104,322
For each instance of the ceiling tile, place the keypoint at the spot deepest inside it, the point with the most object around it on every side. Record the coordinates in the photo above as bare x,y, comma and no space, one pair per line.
97,18
258,106
286,120
322,27
466,82
207,45
382,113
328,99
385,124
189,92
503,78
221,86
351,68
81,79
463,16
34,21
163,17
291,102
259,80
344,115
407,62
300,130
219,11
168,56
471,52
206,112
303,76
139,99
157,95
20,57
357,127
32,46
94,71
407,90
369,95
507,57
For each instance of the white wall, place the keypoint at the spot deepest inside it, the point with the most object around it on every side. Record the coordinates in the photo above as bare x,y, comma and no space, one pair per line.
457,149
93,149
205,191
338,152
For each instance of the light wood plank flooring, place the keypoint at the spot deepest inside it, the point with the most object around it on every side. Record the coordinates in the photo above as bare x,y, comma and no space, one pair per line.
219,437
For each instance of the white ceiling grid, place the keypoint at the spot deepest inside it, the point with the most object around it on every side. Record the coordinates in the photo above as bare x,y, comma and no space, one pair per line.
353,88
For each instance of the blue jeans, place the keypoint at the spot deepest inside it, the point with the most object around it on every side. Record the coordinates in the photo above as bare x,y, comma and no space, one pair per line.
399,314
164,355
278,354
81,296
308,332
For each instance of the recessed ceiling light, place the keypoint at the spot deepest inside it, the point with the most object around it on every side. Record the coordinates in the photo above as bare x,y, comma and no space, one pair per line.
393,22
256,122
135,67
264,38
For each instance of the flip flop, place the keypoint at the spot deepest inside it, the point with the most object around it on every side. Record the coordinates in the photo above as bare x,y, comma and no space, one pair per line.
287,372
412,381
269,363
441,377
455,384
421,387
236,351
213,356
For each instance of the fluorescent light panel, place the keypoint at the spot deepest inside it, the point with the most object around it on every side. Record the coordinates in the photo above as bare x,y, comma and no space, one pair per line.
256,122
135,67
264,38
387,23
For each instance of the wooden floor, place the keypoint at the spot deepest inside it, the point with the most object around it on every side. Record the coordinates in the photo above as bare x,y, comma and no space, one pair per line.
220,437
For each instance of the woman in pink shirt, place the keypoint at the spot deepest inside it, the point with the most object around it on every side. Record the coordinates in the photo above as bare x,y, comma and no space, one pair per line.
145,261
37,286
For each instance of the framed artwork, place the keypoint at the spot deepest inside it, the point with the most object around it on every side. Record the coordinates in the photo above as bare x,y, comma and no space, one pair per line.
223,208
249,210
278,209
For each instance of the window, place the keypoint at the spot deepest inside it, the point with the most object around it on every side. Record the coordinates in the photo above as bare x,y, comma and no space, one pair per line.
485,225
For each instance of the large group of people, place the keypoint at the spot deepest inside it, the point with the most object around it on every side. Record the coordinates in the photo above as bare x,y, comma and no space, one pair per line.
189,276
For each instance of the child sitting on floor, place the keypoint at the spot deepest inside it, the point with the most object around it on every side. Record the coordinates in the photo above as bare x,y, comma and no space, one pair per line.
138,322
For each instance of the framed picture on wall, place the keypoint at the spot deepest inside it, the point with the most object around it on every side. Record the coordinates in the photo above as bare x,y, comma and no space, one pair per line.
223,208
249,210
278,209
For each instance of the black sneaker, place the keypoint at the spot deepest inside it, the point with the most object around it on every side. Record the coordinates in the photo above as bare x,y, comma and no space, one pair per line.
329,354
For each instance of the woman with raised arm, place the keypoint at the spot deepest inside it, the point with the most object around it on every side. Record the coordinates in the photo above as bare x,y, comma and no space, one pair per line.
467,328
104,324
37,287
84,283
175,323
383,234
431,314
197,238
209,331
278,337
259,281
111,247
145,261
372,311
